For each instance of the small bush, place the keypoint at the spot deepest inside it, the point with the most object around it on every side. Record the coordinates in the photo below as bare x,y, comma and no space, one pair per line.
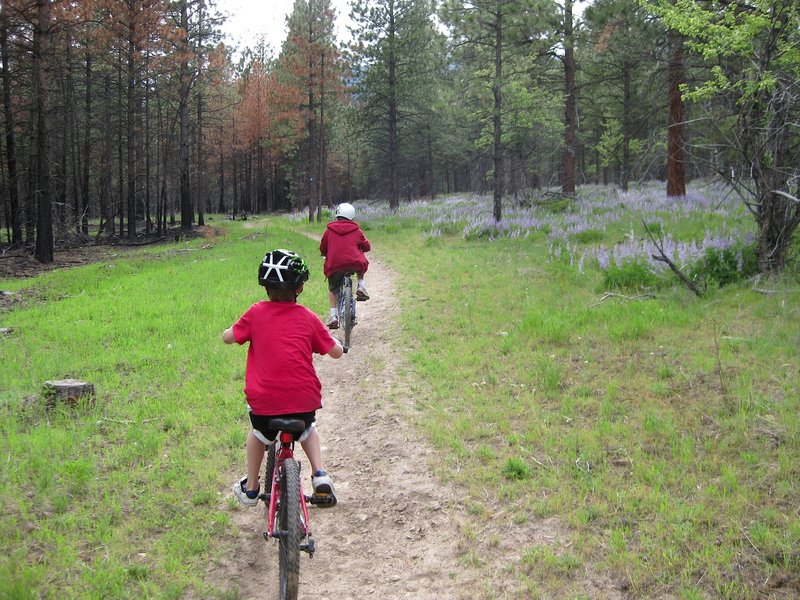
515,468
590,236
558,206
725,266
655,228
631,275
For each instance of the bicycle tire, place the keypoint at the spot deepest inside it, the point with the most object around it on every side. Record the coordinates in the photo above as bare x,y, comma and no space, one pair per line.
269,469
290,521
347,312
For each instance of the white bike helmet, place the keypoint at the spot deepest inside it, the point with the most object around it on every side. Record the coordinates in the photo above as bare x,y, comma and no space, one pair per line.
345,210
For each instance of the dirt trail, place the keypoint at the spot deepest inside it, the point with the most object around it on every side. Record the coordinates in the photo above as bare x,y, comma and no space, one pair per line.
394,532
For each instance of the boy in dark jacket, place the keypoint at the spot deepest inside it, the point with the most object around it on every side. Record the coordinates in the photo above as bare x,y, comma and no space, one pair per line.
343,245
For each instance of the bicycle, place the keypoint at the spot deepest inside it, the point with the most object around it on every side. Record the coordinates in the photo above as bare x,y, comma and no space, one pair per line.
288,505
347,308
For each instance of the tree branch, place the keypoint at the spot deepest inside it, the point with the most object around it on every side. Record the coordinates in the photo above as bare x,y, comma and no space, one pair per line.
787,196
662,257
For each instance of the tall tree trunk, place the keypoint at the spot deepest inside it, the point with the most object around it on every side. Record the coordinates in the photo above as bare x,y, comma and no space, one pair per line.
131,125
11,152
625,171
778,207
202,183
570,106
73,146
41,49
497,115
260,178
431,178
394,188
221,205
235,167
676,170
147,162
309,187
322,184
119,208
87,144
106,213
187,209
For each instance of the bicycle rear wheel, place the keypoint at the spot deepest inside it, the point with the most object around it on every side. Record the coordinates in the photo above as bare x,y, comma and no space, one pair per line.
290,521
269,469
347,311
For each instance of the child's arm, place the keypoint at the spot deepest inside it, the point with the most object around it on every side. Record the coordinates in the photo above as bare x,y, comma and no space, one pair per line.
337,350
364,244
227,335
323,244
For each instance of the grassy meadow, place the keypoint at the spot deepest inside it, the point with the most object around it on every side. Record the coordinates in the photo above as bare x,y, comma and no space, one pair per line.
560,374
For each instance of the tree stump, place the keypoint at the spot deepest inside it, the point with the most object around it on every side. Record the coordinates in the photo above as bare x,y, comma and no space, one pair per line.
67,391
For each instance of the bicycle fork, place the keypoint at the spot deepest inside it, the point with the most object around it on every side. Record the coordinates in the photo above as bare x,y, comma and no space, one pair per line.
273,502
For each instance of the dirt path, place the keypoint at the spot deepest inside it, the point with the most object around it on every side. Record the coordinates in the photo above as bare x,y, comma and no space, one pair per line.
394,532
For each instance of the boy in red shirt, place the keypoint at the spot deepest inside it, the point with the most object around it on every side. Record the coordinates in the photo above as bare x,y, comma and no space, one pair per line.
280,379
343,245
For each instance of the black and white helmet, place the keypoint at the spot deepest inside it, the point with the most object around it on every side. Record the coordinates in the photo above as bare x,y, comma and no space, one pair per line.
282,269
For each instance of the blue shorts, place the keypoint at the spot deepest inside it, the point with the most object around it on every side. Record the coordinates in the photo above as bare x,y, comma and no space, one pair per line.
260,423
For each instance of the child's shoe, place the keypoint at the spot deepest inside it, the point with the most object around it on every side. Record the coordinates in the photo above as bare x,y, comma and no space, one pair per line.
361,292
248,498
333,321
322,483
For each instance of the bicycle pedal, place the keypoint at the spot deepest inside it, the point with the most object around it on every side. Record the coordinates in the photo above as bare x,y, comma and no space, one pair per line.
309,546
323,500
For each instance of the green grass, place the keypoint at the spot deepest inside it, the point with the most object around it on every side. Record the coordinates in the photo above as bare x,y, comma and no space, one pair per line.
120,499
663,431
660,434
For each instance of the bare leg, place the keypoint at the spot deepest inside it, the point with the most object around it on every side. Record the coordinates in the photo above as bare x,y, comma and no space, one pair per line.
333,299
361,291
255,454
312,448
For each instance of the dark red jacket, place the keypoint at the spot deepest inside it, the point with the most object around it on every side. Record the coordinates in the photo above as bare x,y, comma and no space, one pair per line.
343,245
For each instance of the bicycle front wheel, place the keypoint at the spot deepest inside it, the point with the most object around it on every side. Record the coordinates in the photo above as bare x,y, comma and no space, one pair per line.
347,314
290,521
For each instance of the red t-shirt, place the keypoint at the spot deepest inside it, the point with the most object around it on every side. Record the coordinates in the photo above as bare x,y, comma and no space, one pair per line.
343,245
280,376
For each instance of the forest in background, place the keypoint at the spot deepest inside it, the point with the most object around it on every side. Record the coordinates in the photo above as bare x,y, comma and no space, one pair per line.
123,119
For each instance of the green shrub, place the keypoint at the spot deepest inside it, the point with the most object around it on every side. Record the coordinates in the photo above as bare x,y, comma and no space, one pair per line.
631,275
559,206
515,468
656,228
590,236
729,265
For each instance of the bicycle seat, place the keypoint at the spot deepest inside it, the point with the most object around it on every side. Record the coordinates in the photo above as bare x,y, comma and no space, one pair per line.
282,424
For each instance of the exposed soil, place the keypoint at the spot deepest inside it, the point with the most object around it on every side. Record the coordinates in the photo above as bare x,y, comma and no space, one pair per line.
22,264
